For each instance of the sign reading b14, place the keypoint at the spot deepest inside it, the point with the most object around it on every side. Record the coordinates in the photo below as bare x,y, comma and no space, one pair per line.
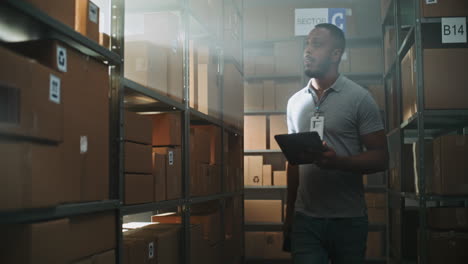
306,18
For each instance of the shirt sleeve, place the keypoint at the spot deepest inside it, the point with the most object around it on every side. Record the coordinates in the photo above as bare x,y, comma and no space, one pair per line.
289,120
369,118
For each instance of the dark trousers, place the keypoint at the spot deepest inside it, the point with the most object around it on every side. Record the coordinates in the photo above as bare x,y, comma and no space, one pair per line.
320,240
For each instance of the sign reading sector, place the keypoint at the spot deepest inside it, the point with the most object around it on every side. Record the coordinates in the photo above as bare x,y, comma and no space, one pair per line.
305,19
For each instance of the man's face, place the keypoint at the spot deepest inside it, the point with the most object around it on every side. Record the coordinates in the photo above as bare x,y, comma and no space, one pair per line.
319,54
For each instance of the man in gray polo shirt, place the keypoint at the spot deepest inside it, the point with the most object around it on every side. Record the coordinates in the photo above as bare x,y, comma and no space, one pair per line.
327,214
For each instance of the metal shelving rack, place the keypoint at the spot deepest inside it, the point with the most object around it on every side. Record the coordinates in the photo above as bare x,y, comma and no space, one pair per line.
424,125
32,24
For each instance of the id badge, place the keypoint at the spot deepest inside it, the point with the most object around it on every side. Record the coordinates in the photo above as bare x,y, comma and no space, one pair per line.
317,123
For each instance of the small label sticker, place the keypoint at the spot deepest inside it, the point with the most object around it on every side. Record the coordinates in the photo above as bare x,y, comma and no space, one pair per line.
54,89
317,124
171,158
453,30
431,2
93,13
151,250
62,59
83,144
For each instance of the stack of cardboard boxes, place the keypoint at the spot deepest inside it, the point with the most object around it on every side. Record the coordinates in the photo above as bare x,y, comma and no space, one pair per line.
81,15
167,156
77,239
255,129
139,180
154,59
153,157
256,173
205,160
57,117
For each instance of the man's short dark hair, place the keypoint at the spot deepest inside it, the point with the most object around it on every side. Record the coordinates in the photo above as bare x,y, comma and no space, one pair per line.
336,33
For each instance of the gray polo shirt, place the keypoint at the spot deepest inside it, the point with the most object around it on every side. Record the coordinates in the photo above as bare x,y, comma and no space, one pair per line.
349,111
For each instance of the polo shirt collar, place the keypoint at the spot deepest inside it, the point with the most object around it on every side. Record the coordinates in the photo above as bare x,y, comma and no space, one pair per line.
336,86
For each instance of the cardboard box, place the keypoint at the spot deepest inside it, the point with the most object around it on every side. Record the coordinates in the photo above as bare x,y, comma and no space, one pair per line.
159,175
210,224
138,128
153,243
35,243
268,211
140,246
375,242
267,175
75,238
255,132
366,60
447,8
167,129
447,247
450,166
31,175
279,178
450,62
33,106
173,171
139,188
147,64
199,147
448,218
254,96
283,91
87,19
213,142
92,234
63,11
89,124
253,170
138,158
168,37
104,40
278,125
288,58
269,96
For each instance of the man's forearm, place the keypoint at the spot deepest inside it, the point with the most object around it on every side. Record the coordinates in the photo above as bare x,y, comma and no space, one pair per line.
370,161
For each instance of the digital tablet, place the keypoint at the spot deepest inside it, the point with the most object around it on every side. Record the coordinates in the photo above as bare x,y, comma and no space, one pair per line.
299,148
